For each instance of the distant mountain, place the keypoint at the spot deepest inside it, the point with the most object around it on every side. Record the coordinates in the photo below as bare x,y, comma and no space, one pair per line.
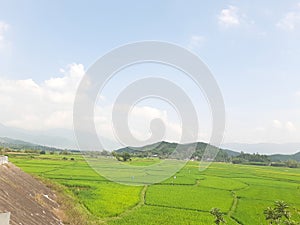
18,145
155,148
9,141
58,138
264,148
161,149
164,149
231,153
280,157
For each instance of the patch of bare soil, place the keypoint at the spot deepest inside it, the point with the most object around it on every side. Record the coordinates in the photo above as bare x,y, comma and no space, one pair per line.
29,201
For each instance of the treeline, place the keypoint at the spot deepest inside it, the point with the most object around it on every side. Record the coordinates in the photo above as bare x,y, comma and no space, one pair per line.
41,151
289,163
3,150
19,147
165,150
262,160
255,158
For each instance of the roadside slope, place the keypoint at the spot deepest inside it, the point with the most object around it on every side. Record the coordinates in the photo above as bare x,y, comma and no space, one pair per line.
29,201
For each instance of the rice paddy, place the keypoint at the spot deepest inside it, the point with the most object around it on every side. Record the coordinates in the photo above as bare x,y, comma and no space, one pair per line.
242,192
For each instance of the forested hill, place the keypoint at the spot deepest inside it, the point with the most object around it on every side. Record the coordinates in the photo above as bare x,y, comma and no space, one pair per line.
164,150
23,145
281,157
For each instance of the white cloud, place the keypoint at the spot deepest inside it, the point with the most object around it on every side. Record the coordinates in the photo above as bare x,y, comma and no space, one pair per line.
29,105
276,124
230,17
276,131
196,41
139,123
140,120
290,126
291,20
3,29
284,127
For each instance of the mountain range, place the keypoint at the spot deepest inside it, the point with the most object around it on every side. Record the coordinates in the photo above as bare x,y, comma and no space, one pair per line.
264,148
56,138
163,149
160,149
18,145
65,139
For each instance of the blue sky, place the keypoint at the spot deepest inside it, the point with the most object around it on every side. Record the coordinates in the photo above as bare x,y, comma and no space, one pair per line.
252,48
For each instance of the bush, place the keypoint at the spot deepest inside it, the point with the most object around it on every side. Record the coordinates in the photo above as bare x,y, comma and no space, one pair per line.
64,152
278,164
292,164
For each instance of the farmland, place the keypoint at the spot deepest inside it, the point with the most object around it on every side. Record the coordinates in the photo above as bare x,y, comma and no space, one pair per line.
242,192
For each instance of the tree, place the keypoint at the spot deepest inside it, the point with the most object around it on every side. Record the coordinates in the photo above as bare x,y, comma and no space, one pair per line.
279,214
64,152
292,164
271,215
218,216
116,155
281,209
125,156
43,152
105,153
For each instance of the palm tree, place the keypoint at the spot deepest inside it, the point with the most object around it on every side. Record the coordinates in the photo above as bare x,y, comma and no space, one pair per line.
279,214
271,215
218,216
281,208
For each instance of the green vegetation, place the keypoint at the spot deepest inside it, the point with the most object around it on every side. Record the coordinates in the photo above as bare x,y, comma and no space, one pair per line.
123,156
242,193
164,150
254,159
207,152
280,214
194,197
219,218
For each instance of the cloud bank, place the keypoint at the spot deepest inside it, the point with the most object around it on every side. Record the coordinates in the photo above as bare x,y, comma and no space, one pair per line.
34,106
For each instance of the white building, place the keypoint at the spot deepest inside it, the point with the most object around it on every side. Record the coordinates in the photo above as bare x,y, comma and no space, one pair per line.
3,160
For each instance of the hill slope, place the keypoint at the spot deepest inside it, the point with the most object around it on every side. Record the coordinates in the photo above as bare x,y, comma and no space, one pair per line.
281,157
18,144
164,149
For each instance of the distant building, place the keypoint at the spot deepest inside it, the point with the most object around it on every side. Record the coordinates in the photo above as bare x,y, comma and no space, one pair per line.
3,160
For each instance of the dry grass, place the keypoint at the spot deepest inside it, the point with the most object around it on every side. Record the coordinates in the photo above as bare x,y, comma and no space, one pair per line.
70,210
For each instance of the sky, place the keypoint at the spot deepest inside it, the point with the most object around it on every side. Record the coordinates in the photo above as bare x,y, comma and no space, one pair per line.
251,47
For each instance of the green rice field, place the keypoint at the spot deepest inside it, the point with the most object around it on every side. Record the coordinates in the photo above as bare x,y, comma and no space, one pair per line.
242,192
